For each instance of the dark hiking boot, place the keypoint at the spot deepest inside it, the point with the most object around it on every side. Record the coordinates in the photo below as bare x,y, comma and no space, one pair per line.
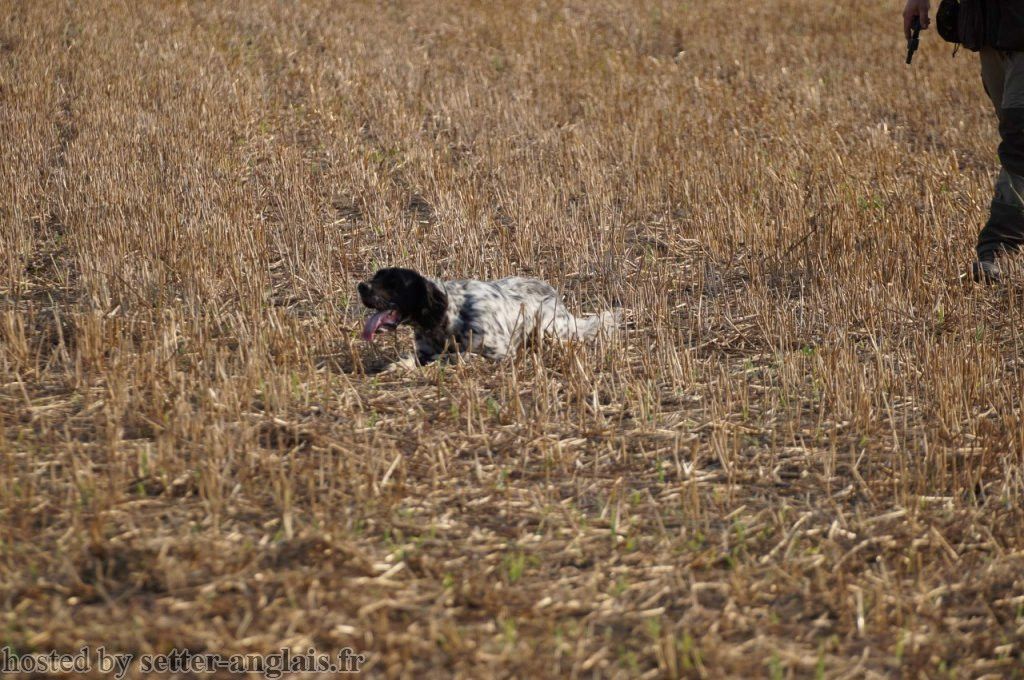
986,269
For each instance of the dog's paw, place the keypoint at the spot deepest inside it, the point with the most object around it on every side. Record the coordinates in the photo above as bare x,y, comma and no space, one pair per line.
407,362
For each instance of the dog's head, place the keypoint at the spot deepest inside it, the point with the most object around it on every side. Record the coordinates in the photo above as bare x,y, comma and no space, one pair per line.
400,296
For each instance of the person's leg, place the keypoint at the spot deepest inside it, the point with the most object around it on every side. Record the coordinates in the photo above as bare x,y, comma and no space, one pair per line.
993,75
1003,75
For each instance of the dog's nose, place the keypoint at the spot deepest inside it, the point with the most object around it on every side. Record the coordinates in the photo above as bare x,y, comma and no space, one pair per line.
364,289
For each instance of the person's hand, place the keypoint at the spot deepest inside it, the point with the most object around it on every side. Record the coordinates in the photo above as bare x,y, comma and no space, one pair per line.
915,8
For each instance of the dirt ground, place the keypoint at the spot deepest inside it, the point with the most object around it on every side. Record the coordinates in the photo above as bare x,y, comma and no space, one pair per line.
803,457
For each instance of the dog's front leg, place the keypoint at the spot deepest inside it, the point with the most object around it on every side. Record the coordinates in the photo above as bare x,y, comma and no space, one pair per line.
424,358
428,349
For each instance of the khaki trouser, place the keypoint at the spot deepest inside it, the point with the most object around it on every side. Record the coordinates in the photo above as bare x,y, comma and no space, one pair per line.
1003,76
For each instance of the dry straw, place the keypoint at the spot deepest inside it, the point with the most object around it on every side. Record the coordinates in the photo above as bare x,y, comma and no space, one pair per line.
804,458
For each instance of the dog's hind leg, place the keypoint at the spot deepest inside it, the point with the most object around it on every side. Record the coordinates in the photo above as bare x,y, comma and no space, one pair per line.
589,326
556,319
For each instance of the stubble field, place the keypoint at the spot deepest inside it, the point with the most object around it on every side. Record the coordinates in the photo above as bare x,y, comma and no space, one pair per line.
803,458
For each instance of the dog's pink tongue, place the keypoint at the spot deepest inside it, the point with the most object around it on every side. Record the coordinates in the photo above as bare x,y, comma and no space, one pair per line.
376,321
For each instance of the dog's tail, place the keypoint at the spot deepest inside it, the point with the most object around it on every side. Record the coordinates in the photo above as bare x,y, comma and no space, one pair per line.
592,325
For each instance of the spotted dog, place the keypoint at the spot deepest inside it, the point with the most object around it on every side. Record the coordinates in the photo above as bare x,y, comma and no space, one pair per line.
492,318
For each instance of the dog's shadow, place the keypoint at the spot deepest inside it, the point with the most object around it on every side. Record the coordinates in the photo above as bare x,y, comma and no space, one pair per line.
369,360
356,358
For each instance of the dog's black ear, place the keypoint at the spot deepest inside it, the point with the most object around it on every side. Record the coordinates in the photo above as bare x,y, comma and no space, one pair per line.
437,303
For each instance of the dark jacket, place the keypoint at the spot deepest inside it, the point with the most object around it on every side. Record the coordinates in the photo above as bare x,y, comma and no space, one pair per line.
1004,24
982,23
